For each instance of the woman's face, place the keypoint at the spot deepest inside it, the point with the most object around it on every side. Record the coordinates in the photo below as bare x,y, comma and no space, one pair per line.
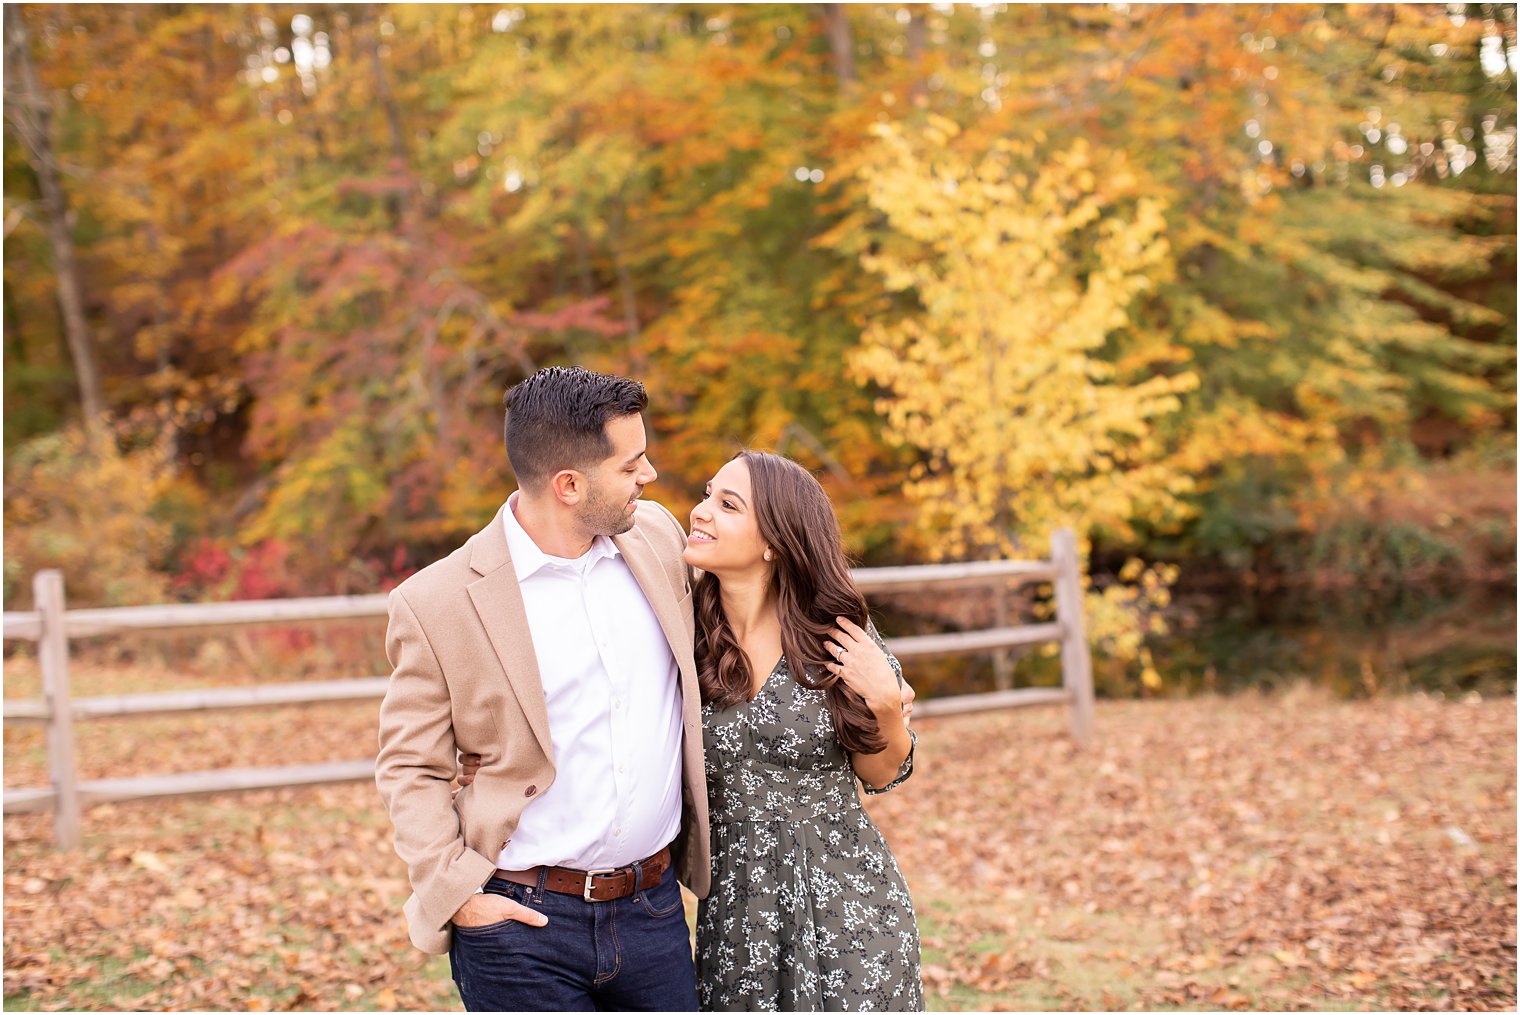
724,534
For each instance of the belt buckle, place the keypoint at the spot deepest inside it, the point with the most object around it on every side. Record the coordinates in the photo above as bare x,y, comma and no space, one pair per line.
591,876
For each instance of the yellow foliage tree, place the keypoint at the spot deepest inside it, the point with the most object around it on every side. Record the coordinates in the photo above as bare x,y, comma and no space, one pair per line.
1011,371
1022,280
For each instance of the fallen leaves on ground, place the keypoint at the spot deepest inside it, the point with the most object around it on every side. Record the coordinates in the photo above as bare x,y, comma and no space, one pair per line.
1286,852
1252,852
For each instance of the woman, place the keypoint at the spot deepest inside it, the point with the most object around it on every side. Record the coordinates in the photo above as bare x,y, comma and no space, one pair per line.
808,910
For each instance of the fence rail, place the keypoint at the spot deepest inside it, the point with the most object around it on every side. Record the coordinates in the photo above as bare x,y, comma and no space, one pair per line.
53,627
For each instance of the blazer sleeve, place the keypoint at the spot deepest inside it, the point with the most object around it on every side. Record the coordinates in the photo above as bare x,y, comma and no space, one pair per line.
677,530
676,534
414,772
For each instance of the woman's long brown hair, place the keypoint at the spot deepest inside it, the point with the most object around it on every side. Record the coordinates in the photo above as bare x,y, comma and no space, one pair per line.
813,586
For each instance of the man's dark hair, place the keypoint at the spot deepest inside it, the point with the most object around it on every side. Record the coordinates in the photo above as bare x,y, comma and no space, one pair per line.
557,419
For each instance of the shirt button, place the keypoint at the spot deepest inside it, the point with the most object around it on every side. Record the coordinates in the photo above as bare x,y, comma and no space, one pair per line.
530,791
617,831
618,703
622,768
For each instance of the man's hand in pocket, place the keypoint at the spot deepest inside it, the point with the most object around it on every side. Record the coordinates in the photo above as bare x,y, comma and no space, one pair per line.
487,908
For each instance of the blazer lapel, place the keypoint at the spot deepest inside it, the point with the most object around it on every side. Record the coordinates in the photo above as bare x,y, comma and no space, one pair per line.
651,576
498,600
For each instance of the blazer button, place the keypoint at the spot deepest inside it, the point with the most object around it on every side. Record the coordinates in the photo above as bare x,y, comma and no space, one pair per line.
530,791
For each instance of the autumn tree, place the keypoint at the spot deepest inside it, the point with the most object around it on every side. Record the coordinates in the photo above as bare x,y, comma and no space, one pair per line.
28,111
1021,270
315,244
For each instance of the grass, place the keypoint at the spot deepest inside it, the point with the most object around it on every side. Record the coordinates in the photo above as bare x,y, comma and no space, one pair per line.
1071,958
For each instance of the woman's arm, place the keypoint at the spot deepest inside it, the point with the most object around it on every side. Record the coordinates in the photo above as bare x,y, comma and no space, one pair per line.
862,661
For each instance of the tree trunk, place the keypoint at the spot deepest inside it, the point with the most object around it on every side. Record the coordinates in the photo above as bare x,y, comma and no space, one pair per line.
30,115
387,101
918,36
841,43
582,258
615,225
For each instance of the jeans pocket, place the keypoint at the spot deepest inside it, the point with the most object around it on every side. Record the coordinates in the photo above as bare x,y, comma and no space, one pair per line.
661,900
505,889
486,929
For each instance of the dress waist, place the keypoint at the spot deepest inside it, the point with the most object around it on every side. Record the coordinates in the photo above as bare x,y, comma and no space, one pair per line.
751,790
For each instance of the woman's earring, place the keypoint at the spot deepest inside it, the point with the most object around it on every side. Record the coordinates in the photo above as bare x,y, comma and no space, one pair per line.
768,555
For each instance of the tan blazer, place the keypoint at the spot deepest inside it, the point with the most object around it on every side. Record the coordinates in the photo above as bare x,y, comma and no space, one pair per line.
465,678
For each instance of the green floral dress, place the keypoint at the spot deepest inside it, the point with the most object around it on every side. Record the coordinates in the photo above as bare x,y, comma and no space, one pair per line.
808,910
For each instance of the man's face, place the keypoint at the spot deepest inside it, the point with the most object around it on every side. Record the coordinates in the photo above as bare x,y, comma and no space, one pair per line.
614,485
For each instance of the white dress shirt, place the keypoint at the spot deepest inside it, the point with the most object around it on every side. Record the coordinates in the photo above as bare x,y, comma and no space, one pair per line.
613,691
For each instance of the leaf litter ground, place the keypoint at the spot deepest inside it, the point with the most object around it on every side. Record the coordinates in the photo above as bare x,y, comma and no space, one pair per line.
1277,852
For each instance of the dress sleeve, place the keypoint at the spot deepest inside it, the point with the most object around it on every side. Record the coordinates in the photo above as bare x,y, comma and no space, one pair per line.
882,644
903,771
906,768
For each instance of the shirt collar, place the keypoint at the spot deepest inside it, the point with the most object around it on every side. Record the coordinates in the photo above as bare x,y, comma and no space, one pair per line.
528,559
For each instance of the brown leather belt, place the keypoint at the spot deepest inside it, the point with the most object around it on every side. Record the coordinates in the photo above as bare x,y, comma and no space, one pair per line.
598,885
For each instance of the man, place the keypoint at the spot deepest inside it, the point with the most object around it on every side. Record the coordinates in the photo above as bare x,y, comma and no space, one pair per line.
556,644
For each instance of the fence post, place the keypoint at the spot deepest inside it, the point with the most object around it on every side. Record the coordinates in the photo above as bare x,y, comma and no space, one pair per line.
1076,658
1002,659
53,655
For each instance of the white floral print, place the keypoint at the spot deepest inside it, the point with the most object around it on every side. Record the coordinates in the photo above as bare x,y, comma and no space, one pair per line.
808,909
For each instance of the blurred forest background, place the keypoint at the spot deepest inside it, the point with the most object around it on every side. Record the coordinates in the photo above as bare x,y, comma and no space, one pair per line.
1229,289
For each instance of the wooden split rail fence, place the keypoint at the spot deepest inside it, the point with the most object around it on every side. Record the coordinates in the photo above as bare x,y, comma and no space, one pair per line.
53,627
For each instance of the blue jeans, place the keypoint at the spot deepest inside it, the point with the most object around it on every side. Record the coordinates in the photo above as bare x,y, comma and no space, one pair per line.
629,954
